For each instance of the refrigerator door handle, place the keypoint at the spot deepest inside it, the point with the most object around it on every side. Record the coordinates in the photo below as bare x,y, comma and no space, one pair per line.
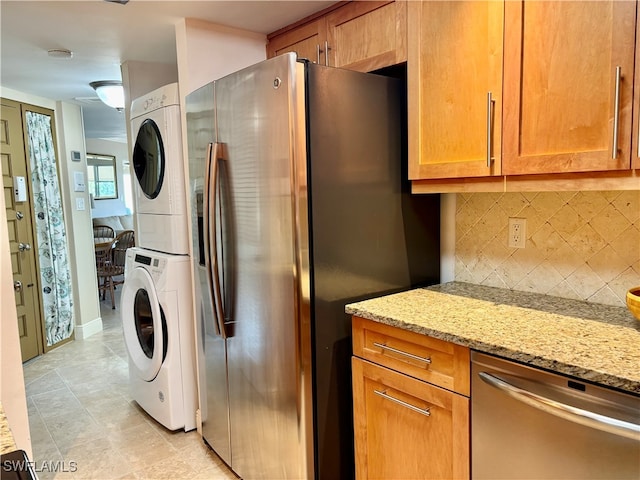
209,227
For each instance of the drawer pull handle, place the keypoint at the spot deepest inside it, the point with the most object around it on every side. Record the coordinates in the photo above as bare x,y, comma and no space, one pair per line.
423,411
400,352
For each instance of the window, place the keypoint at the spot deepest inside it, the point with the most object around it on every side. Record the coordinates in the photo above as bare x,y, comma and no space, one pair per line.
101,176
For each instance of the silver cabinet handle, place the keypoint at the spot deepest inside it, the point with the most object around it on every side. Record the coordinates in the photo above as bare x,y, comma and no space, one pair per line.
318,54
24,246
326,53
384,394
489,126
562,410
17,285
400,352
616,114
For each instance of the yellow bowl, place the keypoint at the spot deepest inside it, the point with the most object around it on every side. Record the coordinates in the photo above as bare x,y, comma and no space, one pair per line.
633,301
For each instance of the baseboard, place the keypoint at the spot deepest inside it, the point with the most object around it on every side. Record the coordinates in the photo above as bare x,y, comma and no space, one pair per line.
87,329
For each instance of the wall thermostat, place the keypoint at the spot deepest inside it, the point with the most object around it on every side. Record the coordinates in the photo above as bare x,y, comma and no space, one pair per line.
76,156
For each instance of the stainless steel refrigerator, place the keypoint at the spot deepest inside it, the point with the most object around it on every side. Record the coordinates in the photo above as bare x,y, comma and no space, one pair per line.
298,207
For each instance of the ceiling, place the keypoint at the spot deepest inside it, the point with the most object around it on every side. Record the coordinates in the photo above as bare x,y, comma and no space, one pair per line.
103,35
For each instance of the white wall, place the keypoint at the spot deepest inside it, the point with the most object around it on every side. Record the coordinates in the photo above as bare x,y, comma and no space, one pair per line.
207,51
86,305
117,206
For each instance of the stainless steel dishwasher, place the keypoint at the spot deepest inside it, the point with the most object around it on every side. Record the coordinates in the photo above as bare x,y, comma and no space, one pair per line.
527,423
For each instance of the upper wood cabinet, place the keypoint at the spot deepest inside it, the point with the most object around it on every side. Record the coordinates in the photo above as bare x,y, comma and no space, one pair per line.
562,107
635,144
362,35
305,41
366,36
454,74
568,86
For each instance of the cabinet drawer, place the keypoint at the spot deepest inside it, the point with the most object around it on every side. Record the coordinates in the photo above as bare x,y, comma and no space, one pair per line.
435,361
406,428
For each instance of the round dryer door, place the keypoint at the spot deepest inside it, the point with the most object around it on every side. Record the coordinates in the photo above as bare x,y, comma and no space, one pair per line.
148,158
143,324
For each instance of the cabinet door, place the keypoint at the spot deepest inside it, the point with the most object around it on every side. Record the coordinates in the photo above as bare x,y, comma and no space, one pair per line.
405,428
635,144
455,88
307,41
366,36
561,109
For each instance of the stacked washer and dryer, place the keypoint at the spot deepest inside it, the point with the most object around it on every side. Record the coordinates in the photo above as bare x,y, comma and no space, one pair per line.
157,316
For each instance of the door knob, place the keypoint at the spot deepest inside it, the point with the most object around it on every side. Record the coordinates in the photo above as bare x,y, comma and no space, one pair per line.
24,246
19,215
17,285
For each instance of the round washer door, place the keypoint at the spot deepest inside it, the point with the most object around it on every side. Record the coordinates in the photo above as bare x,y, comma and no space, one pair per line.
148,159
142,324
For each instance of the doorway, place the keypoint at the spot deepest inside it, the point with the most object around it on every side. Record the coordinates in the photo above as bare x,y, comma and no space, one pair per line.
37,236
26,281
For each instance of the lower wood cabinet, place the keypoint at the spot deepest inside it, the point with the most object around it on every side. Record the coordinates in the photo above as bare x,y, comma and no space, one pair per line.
406,428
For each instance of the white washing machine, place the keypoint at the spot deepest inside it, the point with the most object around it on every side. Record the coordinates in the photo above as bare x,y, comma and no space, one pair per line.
158,326
159,189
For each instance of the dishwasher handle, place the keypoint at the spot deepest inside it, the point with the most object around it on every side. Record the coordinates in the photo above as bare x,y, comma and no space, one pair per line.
562,410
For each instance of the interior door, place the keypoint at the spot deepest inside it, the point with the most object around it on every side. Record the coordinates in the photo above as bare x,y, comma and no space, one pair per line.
19,220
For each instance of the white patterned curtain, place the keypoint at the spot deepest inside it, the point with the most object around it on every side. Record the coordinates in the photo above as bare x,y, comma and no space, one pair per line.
55,276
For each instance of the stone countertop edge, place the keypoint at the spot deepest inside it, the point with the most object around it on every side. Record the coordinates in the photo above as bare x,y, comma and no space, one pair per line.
592,342
7,443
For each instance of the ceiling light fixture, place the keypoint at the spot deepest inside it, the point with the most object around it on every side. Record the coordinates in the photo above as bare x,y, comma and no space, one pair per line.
60,53
110,92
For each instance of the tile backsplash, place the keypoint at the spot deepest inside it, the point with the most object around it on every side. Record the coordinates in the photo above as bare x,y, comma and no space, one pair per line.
580,245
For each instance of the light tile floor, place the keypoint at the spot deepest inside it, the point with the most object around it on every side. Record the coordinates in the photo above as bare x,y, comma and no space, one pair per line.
82,417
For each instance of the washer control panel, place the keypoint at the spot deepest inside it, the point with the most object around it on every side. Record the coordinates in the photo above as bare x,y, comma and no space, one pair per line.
156,265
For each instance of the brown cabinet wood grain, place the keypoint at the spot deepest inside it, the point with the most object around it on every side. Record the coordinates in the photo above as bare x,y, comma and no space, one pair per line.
366,36
429,359
305,41
362,36
406,427
560,119
454,63
635,134
561,112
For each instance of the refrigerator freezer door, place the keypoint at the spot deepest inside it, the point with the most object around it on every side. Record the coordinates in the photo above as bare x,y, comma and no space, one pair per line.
212,366
258,114
370,236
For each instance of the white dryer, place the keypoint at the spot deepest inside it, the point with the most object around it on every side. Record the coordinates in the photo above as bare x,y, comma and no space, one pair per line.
158,326
159,189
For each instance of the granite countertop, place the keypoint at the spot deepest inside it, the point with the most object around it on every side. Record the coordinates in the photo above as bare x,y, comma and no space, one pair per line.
7,444
590,341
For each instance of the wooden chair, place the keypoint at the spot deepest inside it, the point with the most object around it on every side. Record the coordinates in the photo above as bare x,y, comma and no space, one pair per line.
110,259
103,233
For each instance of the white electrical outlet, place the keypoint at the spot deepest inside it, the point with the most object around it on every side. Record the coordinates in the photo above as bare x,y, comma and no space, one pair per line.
517,232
